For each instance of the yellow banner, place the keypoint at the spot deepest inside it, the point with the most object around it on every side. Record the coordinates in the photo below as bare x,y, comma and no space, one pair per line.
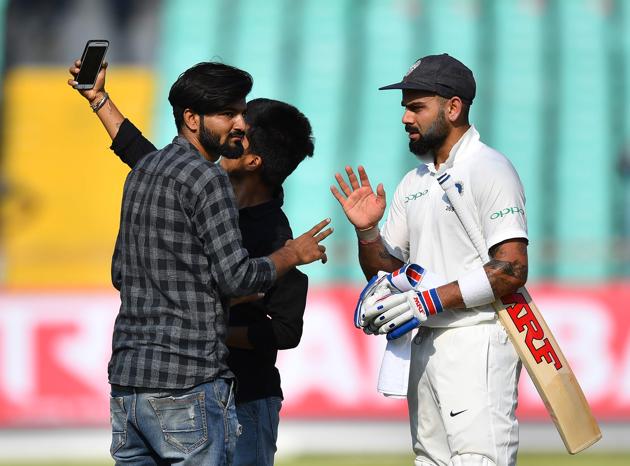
62,184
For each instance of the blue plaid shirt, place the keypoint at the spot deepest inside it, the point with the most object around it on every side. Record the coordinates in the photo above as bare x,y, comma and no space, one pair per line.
178,258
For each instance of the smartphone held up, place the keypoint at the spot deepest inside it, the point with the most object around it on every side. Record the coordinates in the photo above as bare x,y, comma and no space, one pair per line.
91,62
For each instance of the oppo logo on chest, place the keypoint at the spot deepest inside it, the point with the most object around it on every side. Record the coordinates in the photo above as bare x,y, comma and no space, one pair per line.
416,196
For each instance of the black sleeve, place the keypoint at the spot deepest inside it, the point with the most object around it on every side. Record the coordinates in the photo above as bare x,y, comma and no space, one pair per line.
130,145
285,303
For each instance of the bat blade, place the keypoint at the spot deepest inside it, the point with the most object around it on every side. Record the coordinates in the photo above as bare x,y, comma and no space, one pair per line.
549,370
537,347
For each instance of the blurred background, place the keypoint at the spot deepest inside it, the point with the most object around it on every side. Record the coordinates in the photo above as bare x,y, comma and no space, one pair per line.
553,94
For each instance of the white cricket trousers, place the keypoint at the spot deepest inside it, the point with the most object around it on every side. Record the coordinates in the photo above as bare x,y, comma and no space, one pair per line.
462,396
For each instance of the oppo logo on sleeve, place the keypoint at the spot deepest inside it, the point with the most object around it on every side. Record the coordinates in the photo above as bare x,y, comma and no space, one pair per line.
507,211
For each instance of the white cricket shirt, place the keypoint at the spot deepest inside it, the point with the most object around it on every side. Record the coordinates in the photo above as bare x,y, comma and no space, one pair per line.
422,228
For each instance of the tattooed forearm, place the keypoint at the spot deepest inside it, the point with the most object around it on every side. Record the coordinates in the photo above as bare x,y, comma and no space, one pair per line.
505,277
374,257
511,269
383,254
507,270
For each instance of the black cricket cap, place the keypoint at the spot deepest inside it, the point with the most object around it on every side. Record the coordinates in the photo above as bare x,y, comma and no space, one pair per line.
441,74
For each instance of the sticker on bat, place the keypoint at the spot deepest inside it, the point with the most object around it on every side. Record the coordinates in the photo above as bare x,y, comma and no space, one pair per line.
525,320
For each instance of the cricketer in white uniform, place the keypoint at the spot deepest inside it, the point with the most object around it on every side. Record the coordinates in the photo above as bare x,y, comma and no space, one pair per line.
464,372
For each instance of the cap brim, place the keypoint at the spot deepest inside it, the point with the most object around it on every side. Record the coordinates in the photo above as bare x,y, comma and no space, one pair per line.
408,85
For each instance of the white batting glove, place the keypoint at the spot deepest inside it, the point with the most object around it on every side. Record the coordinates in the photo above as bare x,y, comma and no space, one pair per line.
398,314
384,285
376,289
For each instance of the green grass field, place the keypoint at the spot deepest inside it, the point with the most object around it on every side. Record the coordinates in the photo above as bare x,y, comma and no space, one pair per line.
405,460
586,459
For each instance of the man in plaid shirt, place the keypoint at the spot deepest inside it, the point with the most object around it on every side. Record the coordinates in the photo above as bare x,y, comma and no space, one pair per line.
178,258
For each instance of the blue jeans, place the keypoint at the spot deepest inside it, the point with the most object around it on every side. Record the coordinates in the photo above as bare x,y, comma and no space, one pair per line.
259,419
195,426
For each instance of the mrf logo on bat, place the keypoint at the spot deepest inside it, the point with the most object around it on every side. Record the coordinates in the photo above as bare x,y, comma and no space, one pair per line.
525,321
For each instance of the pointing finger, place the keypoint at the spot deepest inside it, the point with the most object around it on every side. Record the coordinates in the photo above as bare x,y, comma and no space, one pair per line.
324,234
317,228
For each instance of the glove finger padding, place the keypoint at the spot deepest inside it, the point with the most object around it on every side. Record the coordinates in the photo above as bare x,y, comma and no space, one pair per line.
367,291
396,321
390,315
374,311
395,310
377,288
385,291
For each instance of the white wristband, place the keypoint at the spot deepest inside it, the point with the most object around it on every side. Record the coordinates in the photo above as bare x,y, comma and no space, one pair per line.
475,288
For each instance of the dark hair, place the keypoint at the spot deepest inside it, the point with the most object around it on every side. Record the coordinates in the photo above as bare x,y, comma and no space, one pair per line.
281,135
208,87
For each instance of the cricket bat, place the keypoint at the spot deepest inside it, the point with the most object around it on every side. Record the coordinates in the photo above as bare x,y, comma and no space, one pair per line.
536,346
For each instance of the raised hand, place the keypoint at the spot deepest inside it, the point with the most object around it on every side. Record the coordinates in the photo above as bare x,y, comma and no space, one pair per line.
306,247
302,250
99,87
363,207
107,111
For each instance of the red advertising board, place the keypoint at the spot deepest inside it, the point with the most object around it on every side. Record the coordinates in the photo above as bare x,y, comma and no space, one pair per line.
54,349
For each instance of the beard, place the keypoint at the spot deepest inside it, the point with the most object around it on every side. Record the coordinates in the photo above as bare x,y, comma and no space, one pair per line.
211,142
432,139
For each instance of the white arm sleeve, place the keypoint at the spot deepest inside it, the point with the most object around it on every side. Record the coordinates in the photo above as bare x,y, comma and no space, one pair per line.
501,203
395,233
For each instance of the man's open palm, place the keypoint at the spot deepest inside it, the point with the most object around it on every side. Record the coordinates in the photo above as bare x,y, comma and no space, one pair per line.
363,207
